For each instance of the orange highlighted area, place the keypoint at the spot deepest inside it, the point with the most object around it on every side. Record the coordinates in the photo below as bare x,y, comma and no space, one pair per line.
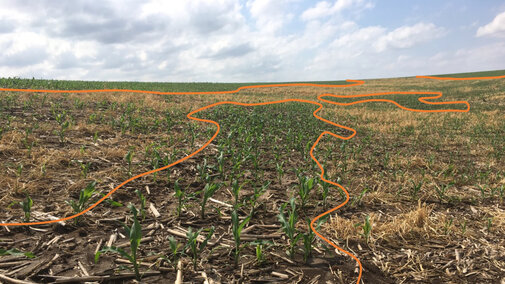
116,184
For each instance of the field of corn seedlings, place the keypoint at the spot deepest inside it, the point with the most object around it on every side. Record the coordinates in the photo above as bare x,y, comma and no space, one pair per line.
426,189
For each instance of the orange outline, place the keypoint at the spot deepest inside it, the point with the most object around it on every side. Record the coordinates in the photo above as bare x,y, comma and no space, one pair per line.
189,116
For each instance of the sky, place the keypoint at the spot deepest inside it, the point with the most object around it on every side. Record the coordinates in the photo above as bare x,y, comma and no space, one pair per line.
248,40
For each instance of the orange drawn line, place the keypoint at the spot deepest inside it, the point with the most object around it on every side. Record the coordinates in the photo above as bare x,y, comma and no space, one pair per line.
189,116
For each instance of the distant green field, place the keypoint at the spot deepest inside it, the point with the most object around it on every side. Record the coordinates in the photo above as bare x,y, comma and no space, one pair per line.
21,83
474,74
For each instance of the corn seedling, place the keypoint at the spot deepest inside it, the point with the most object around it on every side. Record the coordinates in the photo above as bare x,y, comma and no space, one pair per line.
128,158
27,207
43,169
16,252
193,246
325,187
236,188
305,186
357,199
84,168
447,226
463,227
441,190
135,235
180,194
308,238
489,224
220,162
208,192
416,188
289,225
280,170
174,250
63,129
260,246
482,191
155,163
237,227
202,169
498,191
112,202
258,192
19,170
84,196
142,203
95,137
366,227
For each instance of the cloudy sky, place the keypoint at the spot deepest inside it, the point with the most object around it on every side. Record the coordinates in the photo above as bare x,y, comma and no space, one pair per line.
248,40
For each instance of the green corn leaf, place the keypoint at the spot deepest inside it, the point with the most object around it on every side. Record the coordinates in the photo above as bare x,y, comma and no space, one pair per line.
244,222
16,252
113,249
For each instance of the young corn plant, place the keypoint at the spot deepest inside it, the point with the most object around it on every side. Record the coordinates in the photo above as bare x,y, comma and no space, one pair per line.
174,251
280,170
258,192
193,246
288,224
463,227
63,122
84,168
202,169
84,196
135,235
482,190
305,186
489,224
416,188
16,252
308,238
27,207
236,188
19,170
142,203
208,192
181,197
447,226
357,199
260,246
220,163
237,227
112,202
128,158
366,227
441,191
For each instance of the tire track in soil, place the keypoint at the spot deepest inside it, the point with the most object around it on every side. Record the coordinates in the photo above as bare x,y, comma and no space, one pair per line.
425,100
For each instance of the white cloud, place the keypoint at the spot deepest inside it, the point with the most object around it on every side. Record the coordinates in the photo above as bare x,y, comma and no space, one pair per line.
495,28
324,8
270,15
219,40
408,36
